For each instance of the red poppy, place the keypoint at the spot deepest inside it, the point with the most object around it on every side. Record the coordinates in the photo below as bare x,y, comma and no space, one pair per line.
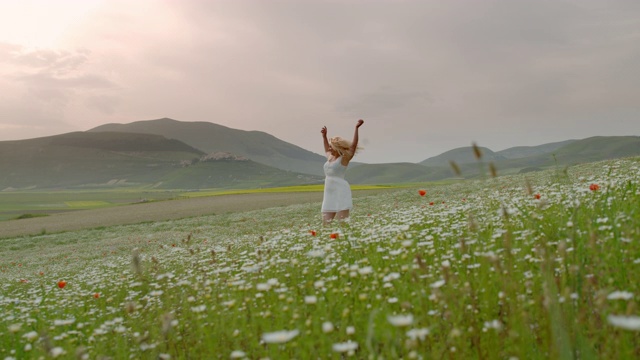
594,187
431,203
536,196
96,295
312,232
334,235
422,192
62,284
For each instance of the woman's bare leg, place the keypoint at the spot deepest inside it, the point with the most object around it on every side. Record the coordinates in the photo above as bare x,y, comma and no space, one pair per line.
342,215
327,217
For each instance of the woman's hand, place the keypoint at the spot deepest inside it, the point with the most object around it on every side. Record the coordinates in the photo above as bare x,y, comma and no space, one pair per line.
360,122
324,131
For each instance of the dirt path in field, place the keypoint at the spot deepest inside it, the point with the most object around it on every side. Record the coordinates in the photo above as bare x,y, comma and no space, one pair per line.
158,211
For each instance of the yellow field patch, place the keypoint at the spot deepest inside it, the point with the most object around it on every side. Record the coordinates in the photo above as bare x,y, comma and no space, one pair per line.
284,189
86,204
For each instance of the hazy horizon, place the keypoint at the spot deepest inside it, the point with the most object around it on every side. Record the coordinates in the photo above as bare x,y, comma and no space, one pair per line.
426,76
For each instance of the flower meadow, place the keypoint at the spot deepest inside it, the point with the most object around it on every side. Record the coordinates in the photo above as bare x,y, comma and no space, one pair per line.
532,266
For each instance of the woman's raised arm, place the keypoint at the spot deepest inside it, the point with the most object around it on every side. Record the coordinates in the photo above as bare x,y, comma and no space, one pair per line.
327,148
354,143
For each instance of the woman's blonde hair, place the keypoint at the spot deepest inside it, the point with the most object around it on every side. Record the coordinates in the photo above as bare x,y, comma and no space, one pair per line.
342,146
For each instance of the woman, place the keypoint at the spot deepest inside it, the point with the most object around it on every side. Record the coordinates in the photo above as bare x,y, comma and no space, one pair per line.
337,193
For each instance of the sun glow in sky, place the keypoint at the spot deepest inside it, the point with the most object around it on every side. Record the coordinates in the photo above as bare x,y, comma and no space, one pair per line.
427,76
42,24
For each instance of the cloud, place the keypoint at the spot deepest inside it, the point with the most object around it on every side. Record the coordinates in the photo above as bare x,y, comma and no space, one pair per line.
19,115
103,103
384,101
47,79
41,87
60,61
8,51
425,75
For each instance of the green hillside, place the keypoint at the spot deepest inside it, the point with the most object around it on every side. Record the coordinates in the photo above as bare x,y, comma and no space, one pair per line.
103,159
463,155
209,137
78,159
394,173
232,174
571,153
117,141
576,152
109,159
599,148
526,151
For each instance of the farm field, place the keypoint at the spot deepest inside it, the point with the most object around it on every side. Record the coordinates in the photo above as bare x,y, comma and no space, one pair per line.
14,204
186,205
531,266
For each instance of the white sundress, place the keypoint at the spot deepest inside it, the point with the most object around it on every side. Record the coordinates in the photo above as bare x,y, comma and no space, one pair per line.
337,192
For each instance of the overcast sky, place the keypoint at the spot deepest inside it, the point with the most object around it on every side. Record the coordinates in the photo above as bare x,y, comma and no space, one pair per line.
426,76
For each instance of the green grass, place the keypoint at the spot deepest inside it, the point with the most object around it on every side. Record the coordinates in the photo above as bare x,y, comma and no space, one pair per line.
472,270
91,204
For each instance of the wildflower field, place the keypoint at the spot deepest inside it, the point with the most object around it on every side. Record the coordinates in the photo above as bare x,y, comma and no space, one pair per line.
534,266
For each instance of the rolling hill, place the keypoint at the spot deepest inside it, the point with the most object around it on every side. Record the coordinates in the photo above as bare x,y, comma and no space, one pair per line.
463,155
394,173
526,151
209,137
103,159
508,161
574,152
232,174
580,151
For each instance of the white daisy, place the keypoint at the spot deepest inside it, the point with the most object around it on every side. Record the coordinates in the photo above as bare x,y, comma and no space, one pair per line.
279,337
400,320
625,322
345,347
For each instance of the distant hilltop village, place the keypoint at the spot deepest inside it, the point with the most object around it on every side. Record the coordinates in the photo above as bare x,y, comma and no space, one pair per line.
222,155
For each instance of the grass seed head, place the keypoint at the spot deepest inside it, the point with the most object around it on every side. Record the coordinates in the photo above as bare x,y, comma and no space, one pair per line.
476,151
455,168
136,262
81,353
167,323
130,307
493,170
528,186
46,343
472,223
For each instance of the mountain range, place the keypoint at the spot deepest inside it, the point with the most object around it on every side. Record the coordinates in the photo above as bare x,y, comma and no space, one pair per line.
110,159
171,154
209,137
